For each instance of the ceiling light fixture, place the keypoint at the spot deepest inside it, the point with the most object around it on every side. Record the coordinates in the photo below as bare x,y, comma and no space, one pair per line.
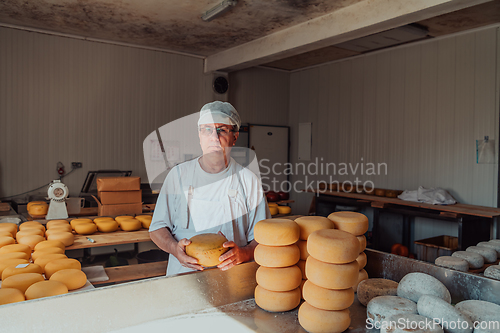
220,9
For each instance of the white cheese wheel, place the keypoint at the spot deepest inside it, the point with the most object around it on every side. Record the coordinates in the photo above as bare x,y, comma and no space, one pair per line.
361,260
436,308
29,232
46,289
309,224
493,272
410,323
67,238
53,223
362,275
11,295
302,244
58,228
479,310
21,269
279,279
47,250
475,260
371,288
49,244
277,301
30,225
11,262
276,232
46,258
72,278
333,246
85,228
22,281
380,308
332,276
453,263
31,240
130,225
9,227
59,264
362,243
490,245
351,222
107,226
413,285
315,320
14,255
327,299
489,255
16,248
302,265
277,256
6,240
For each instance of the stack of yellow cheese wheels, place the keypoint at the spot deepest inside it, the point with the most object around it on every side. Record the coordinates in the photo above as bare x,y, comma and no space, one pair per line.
273,208
357,225
307,225
8,232
278,277
331,271
61,230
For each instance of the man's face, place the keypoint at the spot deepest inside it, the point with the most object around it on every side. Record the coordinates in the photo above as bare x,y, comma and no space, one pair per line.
211,142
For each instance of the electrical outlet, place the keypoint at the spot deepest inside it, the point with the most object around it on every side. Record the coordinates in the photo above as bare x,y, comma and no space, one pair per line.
76,165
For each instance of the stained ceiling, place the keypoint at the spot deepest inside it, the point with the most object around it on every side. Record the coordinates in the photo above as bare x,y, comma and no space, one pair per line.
283,34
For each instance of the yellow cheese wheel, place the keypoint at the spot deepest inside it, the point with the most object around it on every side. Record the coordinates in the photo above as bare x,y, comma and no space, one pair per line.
31,203
11,262
6,240
29,232
59,264
361,260
315,320
279,279
77,221
58,228
47,250
20,269
48,244
16,248
309,224
272,204
100,219
302,244
67,238
31,240
332,276
38,209
302,265
5,233
277,256
351,222
72,278
277,301
130,225
11,295
53,223
284,209
9,227
301,287
327,299
276,232
362,275
123,217
46,289
46,258
85,228
146,223
273,210
362,243
31,225
144,217
207,248
333,246
107,226
22,281
14,255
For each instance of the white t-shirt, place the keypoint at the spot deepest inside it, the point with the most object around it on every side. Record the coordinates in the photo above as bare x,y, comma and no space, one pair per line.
234,187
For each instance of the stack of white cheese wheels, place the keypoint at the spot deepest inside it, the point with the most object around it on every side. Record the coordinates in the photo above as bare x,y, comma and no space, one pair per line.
278,277
357,225
332,271
307,225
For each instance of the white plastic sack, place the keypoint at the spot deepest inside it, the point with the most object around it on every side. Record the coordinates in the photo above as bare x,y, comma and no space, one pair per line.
433,196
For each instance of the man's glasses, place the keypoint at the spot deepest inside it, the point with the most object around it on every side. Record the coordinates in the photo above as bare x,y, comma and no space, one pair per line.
221,131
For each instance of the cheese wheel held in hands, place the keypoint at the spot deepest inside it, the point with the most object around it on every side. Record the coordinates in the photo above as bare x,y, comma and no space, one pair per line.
207,248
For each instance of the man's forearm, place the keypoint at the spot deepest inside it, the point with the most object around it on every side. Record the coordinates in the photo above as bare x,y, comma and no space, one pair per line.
163,239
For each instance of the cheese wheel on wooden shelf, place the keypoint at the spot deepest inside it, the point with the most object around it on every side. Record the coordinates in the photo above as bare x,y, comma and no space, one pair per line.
59,264
361,260
123,217
315,320
277,301
31,224
362,243
49,244
11,295
22,281
6,240
31,240
14,255
85,228
52,223
277,256
351,222
107,226
130,225
276,232
279,279
145,220
77,221
16,248
284,209
29,232
332,276
309,224
11,262
273,210
333,246
31,203
272,204
327,299
207,248
58,228
39,209
101,219
47,250
72,278
302,244
20,269
9,227
43,260
46,289
67,238
302,265
5,233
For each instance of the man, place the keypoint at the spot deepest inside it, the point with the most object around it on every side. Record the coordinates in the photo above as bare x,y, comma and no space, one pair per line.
210,194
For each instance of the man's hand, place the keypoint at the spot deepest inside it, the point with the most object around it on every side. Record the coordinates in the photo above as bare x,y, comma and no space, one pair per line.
180,253
236,255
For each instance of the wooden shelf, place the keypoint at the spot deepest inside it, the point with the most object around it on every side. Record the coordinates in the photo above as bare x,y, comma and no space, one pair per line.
111,238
